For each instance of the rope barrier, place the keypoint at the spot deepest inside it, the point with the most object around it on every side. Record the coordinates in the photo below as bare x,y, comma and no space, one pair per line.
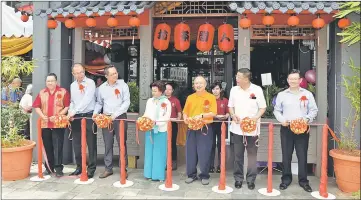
169,186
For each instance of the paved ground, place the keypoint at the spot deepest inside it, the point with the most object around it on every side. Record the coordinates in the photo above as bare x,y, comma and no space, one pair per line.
64,188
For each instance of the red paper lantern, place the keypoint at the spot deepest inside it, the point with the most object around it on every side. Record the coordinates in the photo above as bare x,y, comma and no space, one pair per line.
226,38
52,24
268,20
344,23
24,17
134,22
70,23
293,21
318,23
205,37
112,22
162,37
91,22
182,37
245,23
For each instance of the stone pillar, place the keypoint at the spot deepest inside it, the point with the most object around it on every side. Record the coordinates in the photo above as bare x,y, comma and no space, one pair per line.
146,75
41,57
244,47
61,60
79,46
321,90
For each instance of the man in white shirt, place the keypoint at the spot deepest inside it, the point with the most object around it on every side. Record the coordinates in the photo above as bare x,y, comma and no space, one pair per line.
245,100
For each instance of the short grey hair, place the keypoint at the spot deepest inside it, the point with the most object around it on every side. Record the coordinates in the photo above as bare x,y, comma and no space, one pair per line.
17,80
77,65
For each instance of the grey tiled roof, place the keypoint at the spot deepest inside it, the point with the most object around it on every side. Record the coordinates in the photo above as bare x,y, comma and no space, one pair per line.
91,7
283,6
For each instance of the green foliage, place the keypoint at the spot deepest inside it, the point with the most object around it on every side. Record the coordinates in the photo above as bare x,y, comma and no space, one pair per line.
13,66
351,83
134,97
269,92
351,34
12,139
12,122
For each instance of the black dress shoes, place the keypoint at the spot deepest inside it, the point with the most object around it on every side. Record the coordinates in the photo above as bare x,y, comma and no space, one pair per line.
76,172
211,170
251,186
283,186
307,188
238,184
218,170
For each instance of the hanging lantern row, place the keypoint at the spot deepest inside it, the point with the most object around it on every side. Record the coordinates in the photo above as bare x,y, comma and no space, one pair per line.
91,22
205,37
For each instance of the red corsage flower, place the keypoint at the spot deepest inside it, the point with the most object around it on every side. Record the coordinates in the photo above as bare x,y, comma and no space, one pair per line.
59,96
252,96
303,99
81,88
117,93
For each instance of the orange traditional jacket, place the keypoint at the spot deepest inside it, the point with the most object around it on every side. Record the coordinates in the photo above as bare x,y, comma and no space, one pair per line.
51,104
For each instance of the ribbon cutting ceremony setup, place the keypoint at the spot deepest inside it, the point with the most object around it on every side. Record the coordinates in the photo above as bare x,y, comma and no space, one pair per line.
180,99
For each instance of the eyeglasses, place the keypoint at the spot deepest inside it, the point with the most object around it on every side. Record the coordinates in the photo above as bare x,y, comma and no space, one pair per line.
78,73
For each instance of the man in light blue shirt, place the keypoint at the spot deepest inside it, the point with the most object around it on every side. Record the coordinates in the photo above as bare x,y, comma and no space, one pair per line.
82,104
294,103
114,98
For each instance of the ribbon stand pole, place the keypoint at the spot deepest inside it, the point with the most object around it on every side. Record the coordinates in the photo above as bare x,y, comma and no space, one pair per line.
123,183
323,194
40,177
169,186
222,188
83,180
269,191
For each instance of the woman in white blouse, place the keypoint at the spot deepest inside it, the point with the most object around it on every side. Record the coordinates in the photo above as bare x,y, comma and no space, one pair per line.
158,109
25,105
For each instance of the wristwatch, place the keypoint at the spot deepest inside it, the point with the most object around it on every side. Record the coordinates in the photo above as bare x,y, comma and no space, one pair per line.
202,115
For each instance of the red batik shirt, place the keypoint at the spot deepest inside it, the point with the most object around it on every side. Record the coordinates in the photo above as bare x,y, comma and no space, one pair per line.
222,106
176,107
51,104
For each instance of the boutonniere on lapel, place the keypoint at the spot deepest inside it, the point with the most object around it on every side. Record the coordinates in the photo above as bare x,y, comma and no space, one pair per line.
164,107
81,88
117,92
206,105
252,96
303,99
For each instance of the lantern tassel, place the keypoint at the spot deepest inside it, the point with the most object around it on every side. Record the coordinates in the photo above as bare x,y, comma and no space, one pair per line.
268,37
111,37
292,40
133,36
245,41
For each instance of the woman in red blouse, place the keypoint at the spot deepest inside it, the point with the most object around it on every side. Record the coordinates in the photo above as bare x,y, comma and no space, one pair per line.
52,101
222,114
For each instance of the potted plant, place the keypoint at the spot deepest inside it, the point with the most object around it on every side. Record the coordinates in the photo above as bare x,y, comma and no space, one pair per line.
270,92
16,150
346,157
13,66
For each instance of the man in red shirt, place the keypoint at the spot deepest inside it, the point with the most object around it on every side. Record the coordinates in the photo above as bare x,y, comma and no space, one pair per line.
52,101
175,115
222,114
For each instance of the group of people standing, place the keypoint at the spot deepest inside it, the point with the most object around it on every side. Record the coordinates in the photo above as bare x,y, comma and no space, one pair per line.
113,99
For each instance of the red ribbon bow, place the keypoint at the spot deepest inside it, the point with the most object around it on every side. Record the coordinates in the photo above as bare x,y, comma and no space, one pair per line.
252,95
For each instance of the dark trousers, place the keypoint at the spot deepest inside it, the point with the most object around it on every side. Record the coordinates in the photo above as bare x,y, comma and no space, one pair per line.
91,140
174,140
289,141
53,140
198,149
108,136
26,131
216,135
239,148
